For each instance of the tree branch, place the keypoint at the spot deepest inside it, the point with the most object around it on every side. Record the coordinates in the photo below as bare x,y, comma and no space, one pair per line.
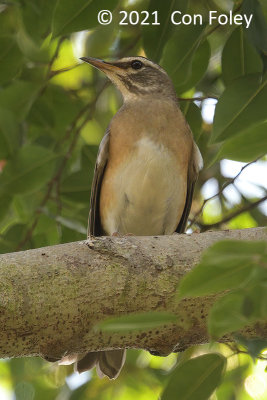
52,298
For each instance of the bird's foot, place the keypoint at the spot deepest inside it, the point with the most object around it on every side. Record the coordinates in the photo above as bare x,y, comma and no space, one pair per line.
90,242
116,234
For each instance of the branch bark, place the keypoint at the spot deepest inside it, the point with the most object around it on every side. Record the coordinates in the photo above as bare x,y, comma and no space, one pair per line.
51,298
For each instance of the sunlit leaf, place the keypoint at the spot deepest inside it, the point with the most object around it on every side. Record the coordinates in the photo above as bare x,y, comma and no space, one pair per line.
232,379
74,73
196,378
24,391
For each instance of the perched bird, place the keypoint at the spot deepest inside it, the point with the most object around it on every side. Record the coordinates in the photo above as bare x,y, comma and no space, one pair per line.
145,171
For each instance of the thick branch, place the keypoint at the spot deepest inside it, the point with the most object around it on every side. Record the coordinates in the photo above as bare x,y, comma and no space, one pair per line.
51,298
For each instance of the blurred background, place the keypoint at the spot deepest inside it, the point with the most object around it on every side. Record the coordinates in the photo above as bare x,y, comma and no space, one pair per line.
54,111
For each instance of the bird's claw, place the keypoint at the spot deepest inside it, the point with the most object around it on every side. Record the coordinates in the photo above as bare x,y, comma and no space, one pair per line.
90,242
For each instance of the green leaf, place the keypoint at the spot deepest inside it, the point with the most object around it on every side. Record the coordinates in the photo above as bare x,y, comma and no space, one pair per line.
156,36
89,154
73,16
28,171
5,202
19,97
11,59
99,42
179,53
196,378
193,116
9,134
37,17
263,6
54,111
247,146
231,380
226,315
247,59
225,265
146,320
76,187
238,309
30,49
68,235
11,238
200,64
242,105
253,346
24,391
257,30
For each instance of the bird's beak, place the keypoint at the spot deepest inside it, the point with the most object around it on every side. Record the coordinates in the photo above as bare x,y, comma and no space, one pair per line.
100,64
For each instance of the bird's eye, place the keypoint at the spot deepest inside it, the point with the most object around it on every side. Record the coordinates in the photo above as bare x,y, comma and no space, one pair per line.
136,64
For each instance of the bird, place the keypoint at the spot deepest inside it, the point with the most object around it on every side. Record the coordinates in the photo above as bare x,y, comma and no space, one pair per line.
146,169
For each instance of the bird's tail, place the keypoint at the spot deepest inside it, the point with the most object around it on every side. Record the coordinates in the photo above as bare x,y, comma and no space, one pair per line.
108,363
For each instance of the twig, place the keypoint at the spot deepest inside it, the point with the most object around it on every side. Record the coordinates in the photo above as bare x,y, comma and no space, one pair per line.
224,186
236,350
197,98
55,55
62,70
56,178
234,214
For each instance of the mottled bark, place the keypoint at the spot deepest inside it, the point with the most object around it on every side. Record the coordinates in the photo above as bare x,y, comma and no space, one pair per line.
51,298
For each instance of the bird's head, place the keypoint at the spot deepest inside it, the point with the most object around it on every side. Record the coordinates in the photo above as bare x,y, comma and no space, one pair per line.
136,77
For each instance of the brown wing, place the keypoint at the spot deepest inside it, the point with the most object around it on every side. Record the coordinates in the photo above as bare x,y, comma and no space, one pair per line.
94,225
194,166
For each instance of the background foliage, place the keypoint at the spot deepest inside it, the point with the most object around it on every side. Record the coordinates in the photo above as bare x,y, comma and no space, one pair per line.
53,113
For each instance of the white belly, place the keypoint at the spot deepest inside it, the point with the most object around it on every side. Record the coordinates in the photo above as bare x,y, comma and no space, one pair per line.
151,192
